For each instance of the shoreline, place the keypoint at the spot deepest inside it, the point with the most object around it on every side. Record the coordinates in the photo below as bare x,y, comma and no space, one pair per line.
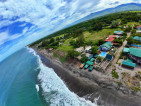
88,86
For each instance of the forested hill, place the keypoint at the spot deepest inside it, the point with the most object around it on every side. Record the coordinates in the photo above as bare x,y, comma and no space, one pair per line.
120,8
97,24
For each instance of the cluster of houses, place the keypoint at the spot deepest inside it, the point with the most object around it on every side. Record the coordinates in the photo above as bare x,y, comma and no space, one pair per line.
103,51
134,57
133,53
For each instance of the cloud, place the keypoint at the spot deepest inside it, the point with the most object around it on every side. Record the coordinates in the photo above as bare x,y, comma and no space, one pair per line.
34,16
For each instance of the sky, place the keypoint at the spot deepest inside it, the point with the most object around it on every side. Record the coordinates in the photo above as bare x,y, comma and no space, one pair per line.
25,21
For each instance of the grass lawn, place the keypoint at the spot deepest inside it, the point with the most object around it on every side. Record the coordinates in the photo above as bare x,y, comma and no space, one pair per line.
99,34
135,11
132,23
65,48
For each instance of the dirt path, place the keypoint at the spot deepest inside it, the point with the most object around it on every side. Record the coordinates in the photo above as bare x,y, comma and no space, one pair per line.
109,69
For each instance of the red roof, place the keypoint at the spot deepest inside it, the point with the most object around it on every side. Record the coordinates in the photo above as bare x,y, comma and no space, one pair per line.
138,26
114,43
111,39
113,36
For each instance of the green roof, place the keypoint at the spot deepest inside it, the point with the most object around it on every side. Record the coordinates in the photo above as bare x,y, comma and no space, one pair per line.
135,51
86,66
91,68
108,45
92,59
126,50
129,60
89,63
137,38
129,63
95,56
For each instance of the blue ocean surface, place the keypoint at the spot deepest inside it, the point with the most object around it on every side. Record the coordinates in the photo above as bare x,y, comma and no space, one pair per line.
19,75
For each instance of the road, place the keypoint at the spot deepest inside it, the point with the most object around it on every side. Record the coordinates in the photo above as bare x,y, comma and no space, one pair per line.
109,69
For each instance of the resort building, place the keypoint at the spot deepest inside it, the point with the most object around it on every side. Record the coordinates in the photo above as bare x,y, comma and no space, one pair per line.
118,32
128,64
134,54
139,29
106,46
137,38
111,38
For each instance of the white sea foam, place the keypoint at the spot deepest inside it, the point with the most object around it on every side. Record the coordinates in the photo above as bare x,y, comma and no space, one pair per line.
37,87
54,89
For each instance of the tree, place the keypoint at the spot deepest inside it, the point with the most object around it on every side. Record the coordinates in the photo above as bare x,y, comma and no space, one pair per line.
133,31
130,40
94,50
114,24
128,29
97,26
52,40
100,42
80,40
72,54
118,40
84,58
99,59
73,43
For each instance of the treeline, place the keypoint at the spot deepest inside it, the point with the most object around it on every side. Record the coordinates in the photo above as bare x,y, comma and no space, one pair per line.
96,25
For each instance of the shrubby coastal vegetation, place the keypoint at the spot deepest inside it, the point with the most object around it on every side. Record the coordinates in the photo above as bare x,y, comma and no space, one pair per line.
92,32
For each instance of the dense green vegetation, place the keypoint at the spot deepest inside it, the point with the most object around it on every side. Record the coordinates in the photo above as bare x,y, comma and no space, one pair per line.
114,74
92,32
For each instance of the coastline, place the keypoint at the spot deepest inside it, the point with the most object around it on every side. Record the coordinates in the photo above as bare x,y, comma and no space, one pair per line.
90,86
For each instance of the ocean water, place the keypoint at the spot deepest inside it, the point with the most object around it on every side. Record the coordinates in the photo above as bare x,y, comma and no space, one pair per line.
20,75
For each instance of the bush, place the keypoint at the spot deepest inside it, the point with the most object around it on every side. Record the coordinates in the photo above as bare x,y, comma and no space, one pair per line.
114,74
83,59
133,31
99,59
72,54
130,40
136,89
94,50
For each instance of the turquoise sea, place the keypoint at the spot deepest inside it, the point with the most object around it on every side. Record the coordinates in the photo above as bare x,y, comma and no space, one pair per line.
19,74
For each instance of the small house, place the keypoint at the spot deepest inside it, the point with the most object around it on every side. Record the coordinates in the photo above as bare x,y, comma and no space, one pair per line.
106,46
89,63
137,38
92,59
91,68
86,66
118,32
125,50
87,49
82,65
91,56
128,64
111,39
139,28
109,57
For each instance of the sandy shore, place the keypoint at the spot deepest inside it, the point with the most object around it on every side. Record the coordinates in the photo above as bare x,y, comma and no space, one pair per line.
91,85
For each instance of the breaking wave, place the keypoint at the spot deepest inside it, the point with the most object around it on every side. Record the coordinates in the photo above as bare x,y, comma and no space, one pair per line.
55,91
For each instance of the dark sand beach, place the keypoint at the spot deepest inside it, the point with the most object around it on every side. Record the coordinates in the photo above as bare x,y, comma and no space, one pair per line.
107,93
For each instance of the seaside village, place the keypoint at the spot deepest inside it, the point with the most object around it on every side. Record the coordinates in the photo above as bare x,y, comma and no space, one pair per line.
127,56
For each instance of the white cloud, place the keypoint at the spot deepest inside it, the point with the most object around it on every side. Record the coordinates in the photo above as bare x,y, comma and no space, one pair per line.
45,15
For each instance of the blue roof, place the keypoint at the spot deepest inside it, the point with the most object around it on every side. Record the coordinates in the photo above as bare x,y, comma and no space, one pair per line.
118,32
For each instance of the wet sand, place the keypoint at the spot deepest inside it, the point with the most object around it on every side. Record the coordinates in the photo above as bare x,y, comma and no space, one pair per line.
91,89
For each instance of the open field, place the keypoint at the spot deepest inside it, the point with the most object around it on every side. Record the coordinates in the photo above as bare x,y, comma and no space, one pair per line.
97,35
